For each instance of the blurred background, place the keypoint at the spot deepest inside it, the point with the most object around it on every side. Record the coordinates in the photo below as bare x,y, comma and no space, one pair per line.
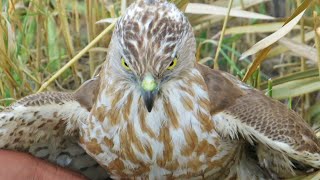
39,37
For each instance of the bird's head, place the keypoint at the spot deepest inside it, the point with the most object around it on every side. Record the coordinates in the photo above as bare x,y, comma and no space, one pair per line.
152,44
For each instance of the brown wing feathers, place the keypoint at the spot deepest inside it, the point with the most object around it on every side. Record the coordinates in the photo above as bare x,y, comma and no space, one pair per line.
248,112
46,125
222,92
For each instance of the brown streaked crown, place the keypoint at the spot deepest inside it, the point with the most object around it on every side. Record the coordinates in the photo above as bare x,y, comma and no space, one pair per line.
150,34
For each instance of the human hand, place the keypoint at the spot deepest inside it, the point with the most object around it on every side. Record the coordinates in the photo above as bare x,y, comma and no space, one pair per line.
17,165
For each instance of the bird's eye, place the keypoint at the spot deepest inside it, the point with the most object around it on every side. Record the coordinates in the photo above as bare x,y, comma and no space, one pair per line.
124,64
173,63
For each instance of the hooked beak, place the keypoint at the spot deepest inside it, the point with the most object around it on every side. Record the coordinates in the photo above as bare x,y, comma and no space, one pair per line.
148,97
149,87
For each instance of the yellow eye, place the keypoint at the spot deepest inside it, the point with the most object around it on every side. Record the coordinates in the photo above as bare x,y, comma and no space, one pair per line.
173,64
124,64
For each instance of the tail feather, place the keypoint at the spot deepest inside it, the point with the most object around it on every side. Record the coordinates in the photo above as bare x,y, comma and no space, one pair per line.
248,167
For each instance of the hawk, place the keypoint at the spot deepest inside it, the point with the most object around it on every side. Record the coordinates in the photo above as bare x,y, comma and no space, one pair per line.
154,112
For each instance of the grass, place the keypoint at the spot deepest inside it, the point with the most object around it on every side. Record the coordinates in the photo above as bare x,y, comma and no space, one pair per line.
42,37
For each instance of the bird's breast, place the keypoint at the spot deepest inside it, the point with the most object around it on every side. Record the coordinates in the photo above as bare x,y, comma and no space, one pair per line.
177,138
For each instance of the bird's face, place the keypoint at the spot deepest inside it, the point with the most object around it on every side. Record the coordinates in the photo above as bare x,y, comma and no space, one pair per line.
152,44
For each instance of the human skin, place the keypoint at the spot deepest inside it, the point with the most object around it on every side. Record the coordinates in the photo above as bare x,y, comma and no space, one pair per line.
17,165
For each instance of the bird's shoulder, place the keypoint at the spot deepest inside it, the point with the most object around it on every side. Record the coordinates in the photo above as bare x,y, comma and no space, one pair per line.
223,89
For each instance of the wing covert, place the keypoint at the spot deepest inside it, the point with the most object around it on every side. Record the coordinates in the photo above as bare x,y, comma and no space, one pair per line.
240,111
46,125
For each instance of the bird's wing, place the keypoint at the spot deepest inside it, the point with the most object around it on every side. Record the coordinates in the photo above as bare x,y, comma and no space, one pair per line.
46,125
241,111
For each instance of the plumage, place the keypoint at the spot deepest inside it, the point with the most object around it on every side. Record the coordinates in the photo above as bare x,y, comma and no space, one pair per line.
153,112
276,130
46,125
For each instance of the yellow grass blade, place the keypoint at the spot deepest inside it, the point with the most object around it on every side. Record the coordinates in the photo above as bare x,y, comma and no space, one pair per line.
274,37
300,49
215,61
296,88
197,8
77,57
256,63
264,44
256,28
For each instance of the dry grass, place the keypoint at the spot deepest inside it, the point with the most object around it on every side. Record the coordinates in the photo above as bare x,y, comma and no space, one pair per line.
40,37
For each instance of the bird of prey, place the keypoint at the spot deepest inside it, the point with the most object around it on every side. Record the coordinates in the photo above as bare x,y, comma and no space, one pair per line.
155,113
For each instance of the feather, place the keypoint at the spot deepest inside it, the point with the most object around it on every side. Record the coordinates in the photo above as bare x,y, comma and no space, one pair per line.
47,126
279,133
